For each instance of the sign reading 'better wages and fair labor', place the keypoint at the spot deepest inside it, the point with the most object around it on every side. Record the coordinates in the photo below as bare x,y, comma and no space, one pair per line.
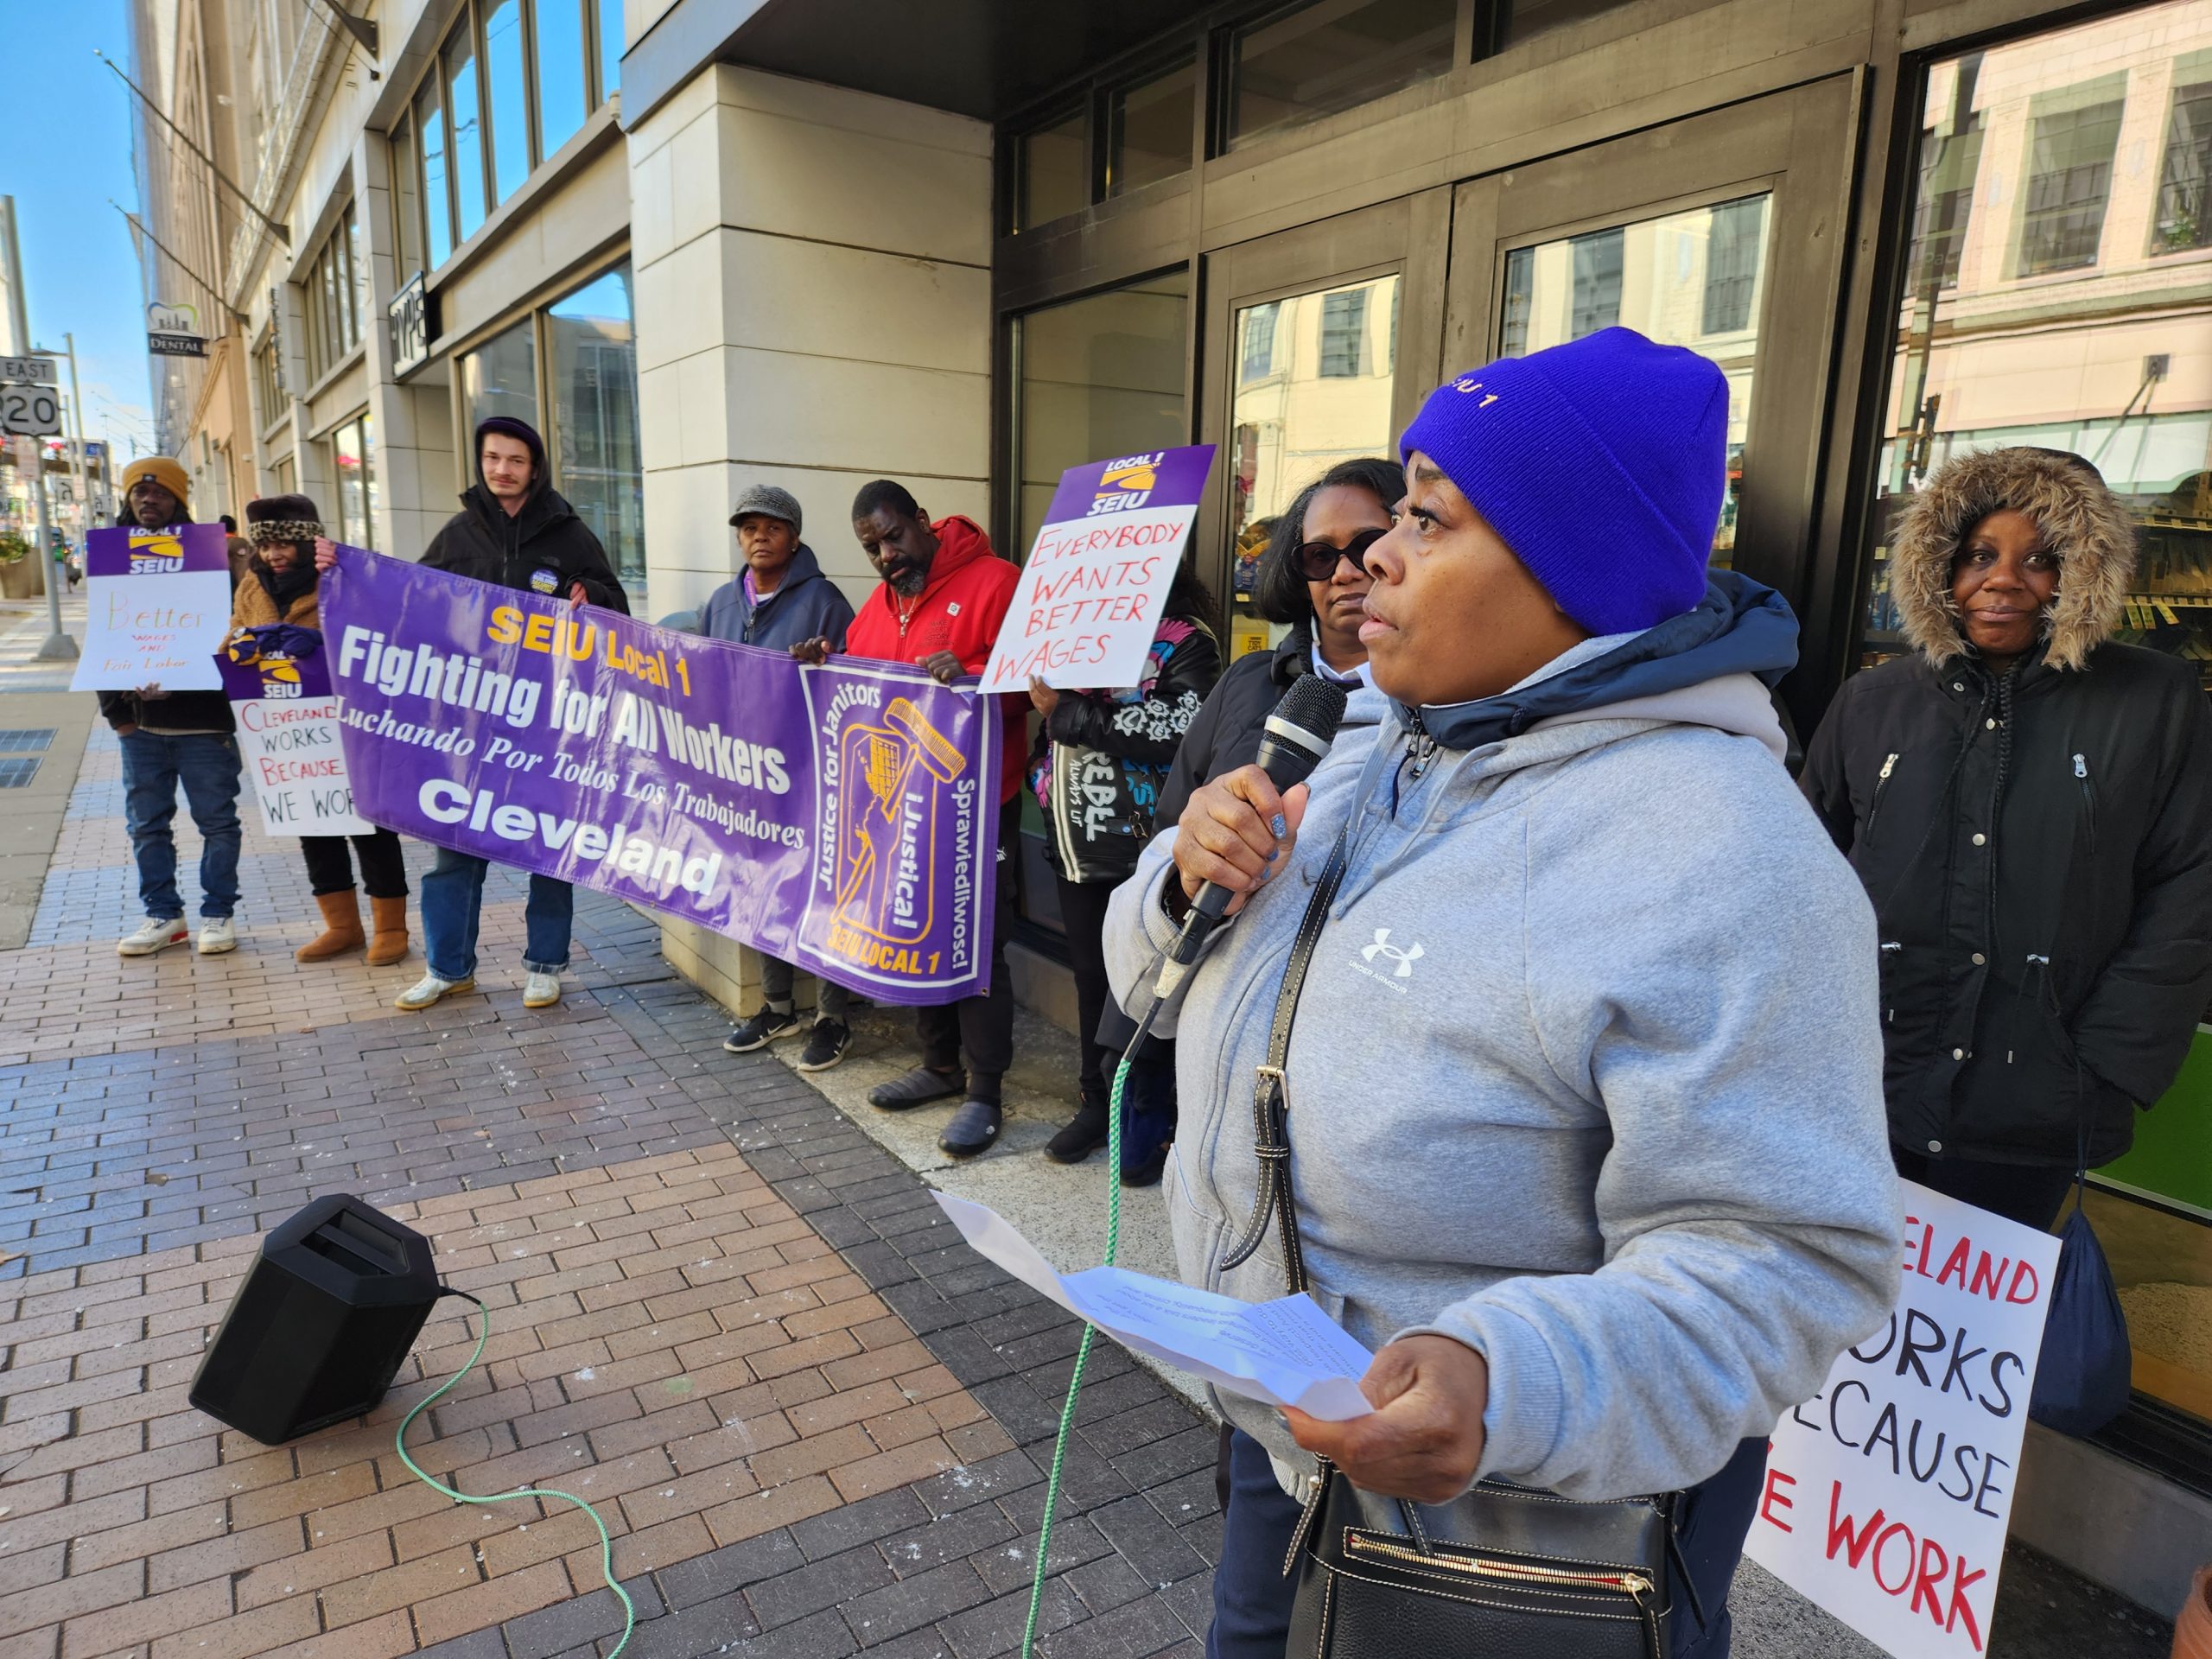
1089,600
157,605
1887,1493
843,817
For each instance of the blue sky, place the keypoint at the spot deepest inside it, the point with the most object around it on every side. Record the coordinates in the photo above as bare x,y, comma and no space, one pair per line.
79,273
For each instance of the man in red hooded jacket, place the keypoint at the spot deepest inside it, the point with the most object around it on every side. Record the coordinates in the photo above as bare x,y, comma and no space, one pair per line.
943,596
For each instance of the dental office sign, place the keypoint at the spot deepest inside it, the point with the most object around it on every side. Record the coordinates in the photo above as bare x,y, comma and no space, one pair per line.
843,817
1887,1493
1089,602
157,605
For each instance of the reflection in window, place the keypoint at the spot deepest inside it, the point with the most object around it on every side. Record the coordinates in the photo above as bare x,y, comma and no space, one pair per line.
1316,58
592,384
353,469
1100,377
1055,172
1306,413
1695,278
1259,334
510,104
501,378
466,130
437,205
560,100
2069,179
1344,333
1149,129
1981,364
2181,220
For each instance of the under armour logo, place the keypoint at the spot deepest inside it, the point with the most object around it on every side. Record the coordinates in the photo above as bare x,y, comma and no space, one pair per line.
1382,947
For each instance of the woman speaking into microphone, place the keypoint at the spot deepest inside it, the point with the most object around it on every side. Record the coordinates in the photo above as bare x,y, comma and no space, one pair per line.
1583,1090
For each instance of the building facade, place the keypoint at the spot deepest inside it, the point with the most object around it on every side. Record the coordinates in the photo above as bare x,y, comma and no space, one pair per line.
966,245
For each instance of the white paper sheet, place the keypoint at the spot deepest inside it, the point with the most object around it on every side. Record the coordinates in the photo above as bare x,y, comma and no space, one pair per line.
1286,1352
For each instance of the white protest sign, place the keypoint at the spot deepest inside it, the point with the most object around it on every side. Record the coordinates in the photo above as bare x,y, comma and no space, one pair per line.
1887,1493
157,606
1286,1352
289,720
1088,603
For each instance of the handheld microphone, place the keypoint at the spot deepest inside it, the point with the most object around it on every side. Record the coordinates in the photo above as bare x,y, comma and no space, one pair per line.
1297,735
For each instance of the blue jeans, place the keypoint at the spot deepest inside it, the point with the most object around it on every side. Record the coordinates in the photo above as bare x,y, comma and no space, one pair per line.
1252,1595
453,900
206,764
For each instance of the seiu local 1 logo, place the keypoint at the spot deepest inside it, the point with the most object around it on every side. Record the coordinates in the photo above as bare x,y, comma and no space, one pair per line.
1126,483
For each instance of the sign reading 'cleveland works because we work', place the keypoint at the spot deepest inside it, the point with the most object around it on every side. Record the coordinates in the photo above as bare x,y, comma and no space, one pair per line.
158,605
289,720
843,818
1888,1492
1089,602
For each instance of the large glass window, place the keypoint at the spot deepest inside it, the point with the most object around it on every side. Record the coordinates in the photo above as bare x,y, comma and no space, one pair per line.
406,201
465,129
1950,156
610,47
563,100
1052,167
352,468
1983,362
1319,393
437,179
591,385
1695,278
509,98
501,378
2069,177
1314,59
2184,216
331,299
1148,129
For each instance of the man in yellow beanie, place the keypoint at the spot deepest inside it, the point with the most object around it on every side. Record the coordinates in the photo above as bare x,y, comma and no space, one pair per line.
172,738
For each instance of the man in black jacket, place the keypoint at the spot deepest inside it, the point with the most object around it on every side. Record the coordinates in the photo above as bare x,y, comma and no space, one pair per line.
513,531
173,738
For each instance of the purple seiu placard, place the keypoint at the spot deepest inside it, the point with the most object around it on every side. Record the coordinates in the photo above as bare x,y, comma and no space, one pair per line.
843,818
284,678
1152,478
116,551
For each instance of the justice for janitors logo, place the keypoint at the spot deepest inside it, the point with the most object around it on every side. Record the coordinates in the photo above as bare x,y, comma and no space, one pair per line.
890,776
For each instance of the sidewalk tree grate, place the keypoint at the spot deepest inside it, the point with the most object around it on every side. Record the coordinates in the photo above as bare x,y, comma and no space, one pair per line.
26,742
16,772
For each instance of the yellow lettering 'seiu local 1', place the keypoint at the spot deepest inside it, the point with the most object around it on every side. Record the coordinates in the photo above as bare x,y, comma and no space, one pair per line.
562,636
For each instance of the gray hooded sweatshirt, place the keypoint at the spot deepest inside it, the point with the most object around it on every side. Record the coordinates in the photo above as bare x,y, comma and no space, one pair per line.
1586,1073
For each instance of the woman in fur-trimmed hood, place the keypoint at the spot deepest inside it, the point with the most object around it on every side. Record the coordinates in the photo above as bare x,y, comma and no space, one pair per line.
2030,806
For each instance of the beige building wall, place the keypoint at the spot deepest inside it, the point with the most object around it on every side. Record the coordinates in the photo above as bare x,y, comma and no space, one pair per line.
813,311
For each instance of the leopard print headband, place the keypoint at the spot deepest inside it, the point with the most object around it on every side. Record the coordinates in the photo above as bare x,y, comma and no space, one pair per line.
262,531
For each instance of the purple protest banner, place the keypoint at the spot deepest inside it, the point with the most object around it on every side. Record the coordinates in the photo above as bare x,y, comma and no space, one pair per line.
157,604
842,817
1095,582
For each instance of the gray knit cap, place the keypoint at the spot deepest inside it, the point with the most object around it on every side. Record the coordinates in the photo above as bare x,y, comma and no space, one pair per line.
768,499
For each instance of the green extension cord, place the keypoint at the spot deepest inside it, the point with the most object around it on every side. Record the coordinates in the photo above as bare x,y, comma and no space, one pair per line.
1083,1353
606,1543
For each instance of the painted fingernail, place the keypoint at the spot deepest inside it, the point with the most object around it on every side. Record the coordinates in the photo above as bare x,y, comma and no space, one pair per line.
1279,825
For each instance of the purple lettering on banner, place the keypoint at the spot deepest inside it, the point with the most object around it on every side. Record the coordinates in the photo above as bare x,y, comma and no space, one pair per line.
842,817
116,552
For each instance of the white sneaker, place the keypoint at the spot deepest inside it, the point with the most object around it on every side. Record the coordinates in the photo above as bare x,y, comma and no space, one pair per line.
217,935
155,933
429,988
541,990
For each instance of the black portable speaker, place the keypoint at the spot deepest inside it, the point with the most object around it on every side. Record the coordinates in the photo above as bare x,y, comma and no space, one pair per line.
318,1330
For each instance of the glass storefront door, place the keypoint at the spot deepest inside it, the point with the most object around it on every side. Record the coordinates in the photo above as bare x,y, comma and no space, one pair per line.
2056,295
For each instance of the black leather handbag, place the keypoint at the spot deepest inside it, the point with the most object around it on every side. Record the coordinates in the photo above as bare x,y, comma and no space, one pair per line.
1501,1572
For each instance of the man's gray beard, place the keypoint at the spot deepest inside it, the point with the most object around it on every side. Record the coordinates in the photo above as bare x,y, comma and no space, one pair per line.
907,583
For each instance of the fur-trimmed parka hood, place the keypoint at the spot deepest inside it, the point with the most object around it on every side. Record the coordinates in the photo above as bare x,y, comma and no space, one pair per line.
2081,521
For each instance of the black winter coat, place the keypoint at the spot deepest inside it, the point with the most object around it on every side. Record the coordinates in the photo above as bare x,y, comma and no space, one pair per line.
2039,855
540,550
1226,732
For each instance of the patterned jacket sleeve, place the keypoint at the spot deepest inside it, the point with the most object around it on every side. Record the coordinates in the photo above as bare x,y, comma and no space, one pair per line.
1150,729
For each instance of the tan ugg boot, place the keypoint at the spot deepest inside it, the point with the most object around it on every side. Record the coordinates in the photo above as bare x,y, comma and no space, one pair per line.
341,928
390,943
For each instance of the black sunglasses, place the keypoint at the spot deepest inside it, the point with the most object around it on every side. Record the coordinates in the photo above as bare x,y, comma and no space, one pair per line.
1317,561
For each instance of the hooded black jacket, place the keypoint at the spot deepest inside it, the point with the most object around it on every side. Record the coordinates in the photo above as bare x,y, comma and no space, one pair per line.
484,543
2038,847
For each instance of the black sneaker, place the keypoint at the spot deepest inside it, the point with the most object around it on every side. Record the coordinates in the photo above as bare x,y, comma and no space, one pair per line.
1080,1136
1148,1173
761,1029
826,1046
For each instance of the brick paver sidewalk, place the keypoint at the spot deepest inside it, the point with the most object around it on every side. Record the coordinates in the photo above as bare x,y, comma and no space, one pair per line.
817,1422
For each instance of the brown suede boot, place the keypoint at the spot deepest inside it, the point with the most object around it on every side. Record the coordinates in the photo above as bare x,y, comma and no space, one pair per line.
390,944
341,928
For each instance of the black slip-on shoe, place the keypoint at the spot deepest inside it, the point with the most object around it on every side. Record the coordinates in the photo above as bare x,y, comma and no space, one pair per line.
973,1129
917,1087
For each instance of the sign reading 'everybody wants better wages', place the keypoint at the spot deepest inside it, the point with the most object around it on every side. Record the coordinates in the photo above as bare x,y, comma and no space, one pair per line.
843,817
158,605
1088,603
1887,1493
289,719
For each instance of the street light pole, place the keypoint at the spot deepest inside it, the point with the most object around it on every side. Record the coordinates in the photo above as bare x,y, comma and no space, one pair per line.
58,646
77,414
